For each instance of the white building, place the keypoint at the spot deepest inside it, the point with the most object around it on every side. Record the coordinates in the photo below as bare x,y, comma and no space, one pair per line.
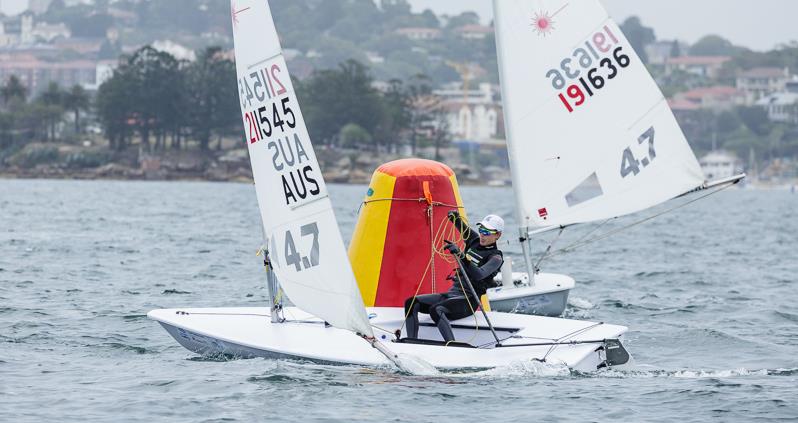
781,106
418,34
473,115
757,83
178,51
706,66
720,164
473,32
659,52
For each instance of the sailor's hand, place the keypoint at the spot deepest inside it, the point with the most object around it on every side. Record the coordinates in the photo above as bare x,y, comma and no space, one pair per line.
453,215
453,249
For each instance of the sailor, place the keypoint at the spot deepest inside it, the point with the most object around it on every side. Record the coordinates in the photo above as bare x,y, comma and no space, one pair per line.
481,260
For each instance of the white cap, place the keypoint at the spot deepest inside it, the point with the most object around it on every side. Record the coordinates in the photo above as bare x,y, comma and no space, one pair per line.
493,222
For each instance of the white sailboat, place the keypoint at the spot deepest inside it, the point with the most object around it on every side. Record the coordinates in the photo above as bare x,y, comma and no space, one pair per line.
589,134
591,137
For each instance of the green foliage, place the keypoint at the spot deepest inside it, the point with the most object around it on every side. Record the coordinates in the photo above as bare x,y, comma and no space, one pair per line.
13,89
152,93
53,95
91,26
352,135
35,154
714,45
76,100
212,99
639,36
755,118
333,98
465,18
87,159
676,51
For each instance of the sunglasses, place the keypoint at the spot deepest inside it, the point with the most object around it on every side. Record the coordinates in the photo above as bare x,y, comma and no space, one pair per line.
485,231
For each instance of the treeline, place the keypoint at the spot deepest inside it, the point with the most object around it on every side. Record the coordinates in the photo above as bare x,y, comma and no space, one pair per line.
23,118
157,102
164,103
342,107
743,130
332,30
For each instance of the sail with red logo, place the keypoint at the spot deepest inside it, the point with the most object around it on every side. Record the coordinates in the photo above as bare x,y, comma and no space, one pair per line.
589,133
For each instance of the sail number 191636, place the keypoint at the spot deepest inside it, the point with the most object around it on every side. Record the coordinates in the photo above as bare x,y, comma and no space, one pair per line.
594,82
588,69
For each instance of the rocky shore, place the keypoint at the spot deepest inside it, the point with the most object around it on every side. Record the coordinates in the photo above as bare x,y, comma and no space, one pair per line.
67,161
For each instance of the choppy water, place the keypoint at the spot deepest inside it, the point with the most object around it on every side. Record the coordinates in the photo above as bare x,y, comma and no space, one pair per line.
708,291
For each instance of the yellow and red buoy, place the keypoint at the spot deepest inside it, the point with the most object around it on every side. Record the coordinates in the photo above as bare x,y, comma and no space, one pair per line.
401,226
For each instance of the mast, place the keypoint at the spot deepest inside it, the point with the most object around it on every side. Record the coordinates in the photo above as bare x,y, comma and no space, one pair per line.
301,232
523,224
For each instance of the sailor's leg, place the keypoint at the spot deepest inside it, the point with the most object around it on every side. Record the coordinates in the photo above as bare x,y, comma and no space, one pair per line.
411,321
438,314
413,306
458,307
451,308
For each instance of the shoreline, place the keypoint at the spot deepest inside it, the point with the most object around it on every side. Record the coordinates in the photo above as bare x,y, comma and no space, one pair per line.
91,176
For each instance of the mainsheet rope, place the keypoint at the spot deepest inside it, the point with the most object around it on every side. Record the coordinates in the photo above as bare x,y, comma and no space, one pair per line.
582,241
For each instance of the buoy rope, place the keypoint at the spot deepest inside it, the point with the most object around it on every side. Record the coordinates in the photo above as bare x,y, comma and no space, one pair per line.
431,215
416,200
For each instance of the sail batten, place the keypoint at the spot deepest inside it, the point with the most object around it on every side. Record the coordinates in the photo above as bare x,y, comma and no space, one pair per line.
301,231
590,135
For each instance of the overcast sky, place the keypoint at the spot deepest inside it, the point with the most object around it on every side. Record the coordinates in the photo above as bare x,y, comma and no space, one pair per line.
760,24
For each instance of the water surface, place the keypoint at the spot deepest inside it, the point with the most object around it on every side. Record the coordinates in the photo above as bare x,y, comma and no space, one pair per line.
708,292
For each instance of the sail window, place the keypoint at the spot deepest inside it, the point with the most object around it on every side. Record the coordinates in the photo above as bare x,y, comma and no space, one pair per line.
588,189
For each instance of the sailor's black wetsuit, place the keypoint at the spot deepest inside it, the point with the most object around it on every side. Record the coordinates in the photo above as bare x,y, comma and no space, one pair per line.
481,263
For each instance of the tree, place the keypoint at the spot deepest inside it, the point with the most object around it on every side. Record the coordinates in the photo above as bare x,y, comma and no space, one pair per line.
75,100
115,108
419,100
91,26
334,97
352,135
465,18
157,94
713,45
13,89
755,118
146,91
52,100
396,116
676,50
440,137
212,95
639,36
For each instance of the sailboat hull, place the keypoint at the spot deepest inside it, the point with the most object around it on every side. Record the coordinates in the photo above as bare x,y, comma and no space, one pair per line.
249,333
547,297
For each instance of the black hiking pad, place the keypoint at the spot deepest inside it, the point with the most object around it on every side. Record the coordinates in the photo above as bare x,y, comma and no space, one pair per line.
434,342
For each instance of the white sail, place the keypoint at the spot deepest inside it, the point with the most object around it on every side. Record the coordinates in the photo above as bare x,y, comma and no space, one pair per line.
303,238
590,135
